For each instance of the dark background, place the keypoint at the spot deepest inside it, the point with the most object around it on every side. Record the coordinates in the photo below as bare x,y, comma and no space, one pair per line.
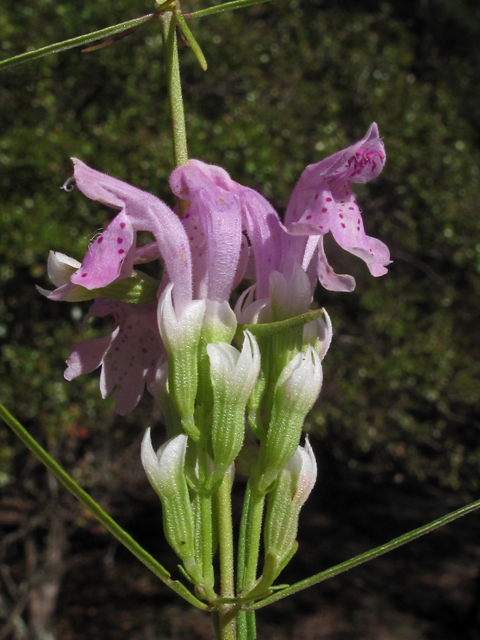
397,427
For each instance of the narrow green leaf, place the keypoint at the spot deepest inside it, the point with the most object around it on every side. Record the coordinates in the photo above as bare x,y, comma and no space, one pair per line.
368,555
96,510
227,6
191,41
75,42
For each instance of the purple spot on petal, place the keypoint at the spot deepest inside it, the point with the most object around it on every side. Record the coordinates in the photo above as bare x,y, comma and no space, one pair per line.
340,215
122,225
324,210
119,240
308,218
120,251
316,196
329,199
100,240
343,225
84,275
350,208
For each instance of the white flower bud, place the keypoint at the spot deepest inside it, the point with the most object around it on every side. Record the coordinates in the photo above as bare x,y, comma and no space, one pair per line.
165,471
292,488
181,337
233,375
319,334
295,393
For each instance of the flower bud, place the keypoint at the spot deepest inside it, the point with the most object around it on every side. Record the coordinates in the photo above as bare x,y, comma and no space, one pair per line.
290,492
295,393
233,375
165,471
319,333
181,337
219,325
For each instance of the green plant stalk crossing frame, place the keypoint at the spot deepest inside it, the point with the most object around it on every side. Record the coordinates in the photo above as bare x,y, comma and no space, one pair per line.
365,557
96,510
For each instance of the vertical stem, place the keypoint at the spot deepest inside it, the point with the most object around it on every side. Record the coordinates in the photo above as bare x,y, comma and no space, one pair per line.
225,622
207,542
180,152
206,529
254,532
225,536
248,551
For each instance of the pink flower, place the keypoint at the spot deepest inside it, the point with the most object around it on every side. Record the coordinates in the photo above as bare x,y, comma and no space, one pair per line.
129,356
323,201
228,232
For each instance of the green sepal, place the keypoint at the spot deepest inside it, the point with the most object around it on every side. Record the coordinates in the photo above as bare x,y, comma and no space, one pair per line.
270,570
191,429
284,563
185,573
139,288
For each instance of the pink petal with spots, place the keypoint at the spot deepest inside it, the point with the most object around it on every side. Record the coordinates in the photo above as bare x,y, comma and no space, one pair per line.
128,356
323,201
109,256
145,213
88,356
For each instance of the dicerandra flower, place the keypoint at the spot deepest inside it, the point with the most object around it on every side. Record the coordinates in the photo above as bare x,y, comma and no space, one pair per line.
227,234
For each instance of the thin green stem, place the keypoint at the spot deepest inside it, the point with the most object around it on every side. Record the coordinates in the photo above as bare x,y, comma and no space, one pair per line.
206,527
248,551
95,509
76,42
228,6
207,544
254,533
242,554
225,537
179,133
225,622
368,555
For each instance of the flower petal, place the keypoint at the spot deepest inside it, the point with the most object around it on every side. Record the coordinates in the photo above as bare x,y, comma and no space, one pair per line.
218,237
143,212
323,201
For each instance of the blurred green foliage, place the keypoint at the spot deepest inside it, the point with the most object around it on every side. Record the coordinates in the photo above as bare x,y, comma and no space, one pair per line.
288,83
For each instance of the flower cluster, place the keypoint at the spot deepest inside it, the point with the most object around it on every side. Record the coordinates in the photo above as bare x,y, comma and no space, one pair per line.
174,336
228,233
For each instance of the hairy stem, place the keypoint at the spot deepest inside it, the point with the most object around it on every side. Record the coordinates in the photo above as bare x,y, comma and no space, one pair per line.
179,133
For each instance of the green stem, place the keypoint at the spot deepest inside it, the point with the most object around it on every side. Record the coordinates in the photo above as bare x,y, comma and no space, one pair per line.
254,532
248,551
225,538
365,557
207,544
206,528
242,554
180,151
95,509
228,6
225,622
75,42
